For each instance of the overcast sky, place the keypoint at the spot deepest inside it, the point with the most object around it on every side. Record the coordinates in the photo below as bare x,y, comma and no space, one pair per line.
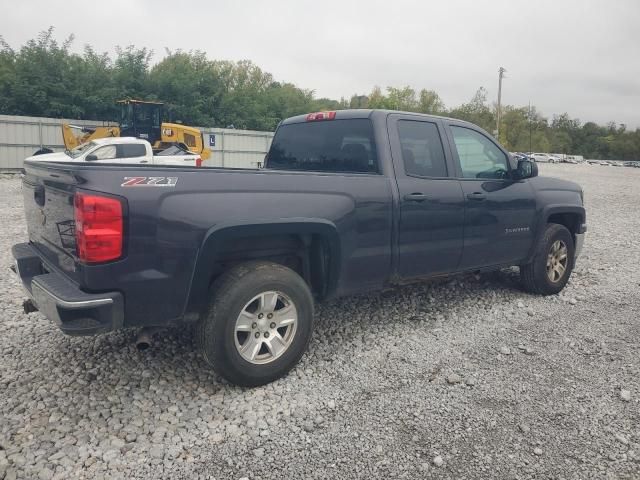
578,56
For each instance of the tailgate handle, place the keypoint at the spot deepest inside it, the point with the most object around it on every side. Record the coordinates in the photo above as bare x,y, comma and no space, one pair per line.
38,195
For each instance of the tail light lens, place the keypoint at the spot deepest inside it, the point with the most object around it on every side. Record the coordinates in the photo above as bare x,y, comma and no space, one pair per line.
198,162
99,228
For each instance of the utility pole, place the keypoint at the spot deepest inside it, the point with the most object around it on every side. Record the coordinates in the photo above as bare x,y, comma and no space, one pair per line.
501,73
530,120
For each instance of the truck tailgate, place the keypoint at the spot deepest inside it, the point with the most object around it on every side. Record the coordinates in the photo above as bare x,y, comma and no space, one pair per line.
48,203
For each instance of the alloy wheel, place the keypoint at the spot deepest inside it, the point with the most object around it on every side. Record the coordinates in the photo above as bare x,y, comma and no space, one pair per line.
265,328
557,261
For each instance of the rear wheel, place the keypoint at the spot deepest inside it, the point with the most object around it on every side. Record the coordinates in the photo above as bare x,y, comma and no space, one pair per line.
551,267
258,324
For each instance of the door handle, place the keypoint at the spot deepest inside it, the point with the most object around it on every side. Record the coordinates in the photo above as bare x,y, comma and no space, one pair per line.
415,197
476,196
144,161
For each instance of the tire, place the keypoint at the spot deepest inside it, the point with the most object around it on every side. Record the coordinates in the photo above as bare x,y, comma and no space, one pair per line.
241,299
535,276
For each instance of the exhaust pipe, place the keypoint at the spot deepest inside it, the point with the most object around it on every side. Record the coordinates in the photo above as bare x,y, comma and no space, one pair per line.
28,306
144,339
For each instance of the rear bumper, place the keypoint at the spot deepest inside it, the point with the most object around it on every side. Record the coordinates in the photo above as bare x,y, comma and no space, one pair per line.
61,301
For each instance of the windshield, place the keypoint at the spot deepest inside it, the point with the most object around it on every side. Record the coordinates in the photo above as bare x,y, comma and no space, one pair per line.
126,116
80,149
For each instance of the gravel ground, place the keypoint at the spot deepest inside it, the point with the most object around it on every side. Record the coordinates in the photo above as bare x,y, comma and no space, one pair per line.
468,378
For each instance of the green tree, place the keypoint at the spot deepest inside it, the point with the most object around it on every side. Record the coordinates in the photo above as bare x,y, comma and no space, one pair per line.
430,102
131,72
403,99
476,111
359,101
514,131
41,69
7,76
377,99
189,86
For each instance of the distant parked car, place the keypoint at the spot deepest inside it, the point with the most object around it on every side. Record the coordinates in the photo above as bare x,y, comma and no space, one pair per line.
520,156
544,158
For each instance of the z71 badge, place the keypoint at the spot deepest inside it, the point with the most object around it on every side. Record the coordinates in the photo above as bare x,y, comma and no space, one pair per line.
149,182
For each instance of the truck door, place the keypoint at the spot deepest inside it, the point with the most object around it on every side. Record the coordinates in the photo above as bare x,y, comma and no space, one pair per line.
500,212
430,230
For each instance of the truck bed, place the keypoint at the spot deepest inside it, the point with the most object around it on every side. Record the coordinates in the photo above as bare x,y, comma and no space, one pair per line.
170,212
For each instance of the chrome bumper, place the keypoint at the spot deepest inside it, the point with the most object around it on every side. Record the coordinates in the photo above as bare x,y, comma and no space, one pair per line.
61,301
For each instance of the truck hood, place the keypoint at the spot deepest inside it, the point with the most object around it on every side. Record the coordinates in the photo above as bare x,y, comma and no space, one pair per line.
557,184
557,191
51,157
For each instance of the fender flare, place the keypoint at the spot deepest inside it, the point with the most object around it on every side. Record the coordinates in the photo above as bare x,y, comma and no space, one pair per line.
214,238
543,219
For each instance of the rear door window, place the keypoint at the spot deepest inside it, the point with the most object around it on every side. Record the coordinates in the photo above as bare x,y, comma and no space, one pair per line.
325,146
131,151
422,151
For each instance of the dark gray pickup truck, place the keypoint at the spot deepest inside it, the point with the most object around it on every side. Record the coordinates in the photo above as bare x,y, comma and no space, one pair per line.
348,202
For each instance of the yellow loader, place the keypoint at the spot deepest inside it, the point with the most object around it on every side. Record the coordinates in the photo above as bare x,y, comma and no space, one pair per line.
140,119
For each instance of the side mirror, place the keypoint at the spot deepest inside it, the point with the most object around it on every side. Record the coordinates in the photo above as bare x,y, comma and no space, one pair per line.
91,157
526,169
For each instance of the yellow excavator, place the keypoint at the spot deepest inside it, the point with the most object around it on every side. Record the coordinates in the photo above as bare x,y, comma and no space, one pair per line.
141,119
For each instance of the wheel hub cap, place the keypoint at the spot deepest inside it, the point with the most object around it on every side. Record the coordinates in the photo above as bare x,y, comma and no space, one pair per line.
557,261
265,327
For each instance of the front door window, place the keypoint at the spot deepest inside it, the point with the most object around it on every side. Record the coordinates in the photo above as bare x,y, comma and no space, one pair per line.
479,156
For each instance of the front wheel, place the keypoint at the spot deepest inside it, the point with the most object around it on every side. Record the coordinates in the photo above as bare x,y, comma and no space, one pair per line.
258,324
551,267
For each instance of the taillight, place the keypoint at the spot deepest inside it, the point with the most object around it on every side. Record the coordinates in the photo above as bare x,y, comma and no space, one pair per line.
99,228
198,162
314,117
